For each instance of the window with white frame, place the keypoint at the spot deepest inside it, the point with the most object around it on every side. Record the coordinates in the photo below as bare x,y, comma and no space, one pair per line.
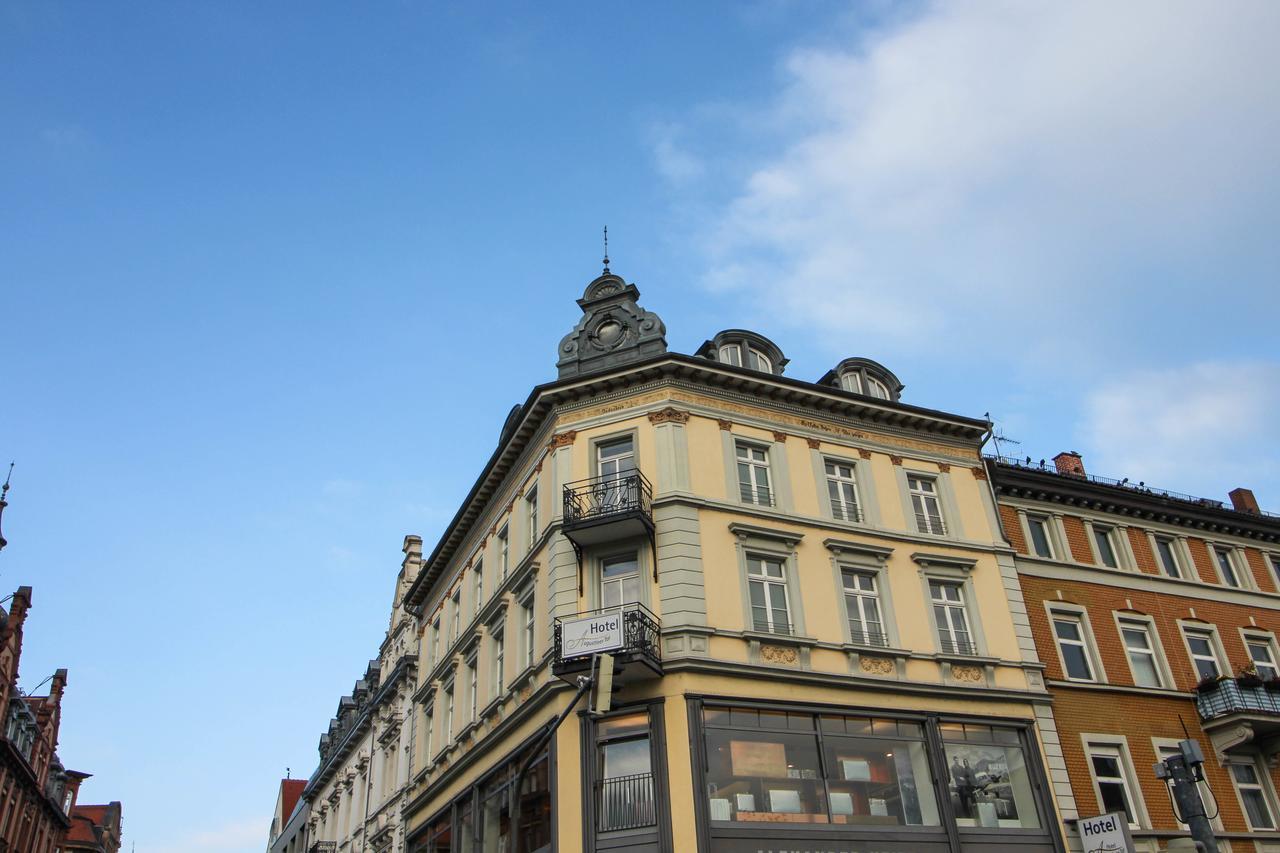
1274,560
428,728
1254,795
877,389
1262,654
862,606
954,634
473,690
1140,648
478,584
1069,630
499,660
1166,550
756,360
615,463
851,381
1204,654
842,487
619,580
531,513
504,553
1227,567
448,713
435,641
456,627
1112,777
731,354
767,585
527,615
924,502
753,474
1104,539
1041,542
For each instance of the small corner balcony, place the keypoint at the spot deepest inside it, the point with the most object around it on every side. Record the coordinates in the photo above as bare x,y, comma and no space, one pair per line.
607,509
1240,715
630,633
323,847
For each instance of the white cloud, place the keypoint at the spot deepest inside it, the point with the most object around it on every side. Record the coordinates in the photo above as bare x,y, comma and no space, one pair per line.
1005,159
675,163
1205,427
241,835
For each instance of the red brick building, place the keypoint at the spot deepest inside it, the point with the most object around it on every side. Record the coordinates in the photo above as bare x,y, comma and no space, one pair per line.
1155,614
94,829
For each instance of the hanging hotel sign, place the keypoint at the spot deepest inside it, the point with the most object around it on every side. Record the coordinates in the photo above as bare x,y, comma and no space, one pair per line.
590,635
1108,833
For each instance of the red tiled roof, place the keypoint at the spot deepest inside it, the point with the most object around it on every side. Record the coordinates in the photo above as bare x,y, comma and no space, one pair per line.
290,790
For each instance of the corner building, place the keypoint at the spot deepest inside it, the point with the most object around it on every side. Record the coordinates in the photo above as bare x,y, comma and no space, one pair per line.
1156,614
824,641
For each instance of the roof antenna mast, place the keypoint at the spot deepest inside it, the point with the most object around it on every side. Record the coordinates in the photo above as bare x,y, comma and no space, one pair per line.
4,493
606,249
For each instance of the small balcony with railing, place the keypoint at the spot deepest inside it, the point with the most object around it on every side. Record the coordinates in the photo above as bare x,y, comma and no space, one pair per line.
607,509
631,633
626,803
1240,712
323,847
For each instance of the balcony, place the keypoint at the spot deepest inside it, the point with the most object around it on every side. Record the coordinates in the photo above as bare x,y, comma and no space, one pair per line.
607,509
637,657
324,847
1238,716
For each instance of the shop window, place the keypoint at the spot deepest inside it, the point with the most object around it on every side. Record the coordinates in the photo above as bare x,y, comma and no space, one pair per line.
988,778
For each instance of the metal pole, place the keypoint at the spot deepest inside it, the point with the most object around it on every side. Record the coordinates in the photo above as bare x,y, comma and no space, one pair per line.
584,684
1190,807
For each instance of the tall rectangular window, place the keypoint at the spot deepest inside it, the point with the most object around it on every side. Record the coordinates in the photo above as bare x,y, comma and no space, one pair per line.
456,627
1103,538
767,582
1038,525
1141,652
862,604
1253,794
479,585
473,690
753,475
1263,657
1203,655
504,553
531,513
1069,630
1110,774
924,502
435,642
1226,567
499,653
428,725
526,608
619,581
954,636
615,463
843,490
448,714
1168,557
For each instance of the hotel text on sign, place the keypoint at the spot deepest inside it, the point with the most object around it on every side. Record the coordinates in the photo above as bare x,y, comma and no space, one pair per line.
590,635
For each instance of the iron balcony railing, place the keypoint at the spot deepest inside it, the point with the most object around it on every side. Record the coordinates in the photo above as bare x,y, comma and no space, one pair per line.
957,646
1229,697
324,847
778,627
640,632
599,498
867,638
759,495
626,802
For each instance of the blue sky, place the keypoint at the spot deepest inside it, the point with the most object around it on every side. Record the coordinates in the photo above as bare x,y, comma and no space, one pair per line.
271,277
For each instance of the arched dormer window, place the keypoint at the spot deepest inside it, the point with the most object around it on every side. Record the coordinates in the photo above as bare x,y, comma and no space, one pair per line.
741,348
866,377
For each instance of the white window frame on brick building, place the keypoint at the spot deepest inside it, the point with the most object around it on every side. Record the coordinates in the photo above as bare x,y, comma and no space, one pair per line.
1215,653
1262,650
1173,549
1115,748
1072,621
1251,781
1227,563
1141,623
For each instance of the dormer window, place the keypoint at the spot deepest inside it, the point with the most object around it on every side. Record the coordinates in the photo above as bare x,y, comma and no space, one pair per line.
864,376
741,348
756,360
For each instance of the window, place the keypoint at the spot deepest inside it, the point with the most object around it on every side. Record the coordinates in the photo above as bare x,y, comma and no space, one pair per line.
435,642
924,501
1263,657
877,389
1111,779
862,603
1069,630
504,553
1102,537
531,510
526,608
619,581
954,636
479,585
753,475
767,582
851,382
731,354
448,714
615,463
1141,652
1253,794
843,490
757,360
1038,527
1200,644
473,690
1168,556
624,770
456,627
989,781
1226,567
499,651
1274,560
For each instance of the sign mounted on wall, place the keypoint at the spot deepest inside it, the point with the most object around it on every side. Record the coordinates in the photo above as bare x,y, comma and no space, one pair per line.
590,635
1108,833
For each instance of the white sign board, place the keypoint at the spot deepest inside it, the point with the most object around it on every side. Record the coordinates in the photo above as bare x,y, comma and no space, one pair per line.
590,635
1108,833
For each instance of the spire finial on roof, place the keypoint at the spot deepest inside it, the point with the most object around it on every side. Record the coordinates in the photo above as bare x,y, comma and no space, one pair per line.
606,248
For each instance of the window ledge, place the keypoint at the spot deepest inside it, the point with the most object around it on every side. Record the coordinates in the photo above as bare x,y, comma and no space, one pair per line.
882,651
844,546
744,531
784,639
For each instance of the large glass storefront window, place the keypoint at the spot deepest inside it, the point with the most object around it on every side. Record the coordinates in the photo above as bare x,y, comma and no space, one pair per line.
988,779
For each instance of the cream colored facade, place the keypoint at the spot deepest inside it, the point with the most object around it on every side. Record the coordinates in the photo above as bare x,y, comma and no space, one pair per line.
687,421
357,794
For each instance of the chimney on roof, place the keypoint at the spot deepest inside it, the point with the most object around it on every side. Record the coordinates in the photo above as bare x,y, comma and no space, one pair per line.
1069,462
1242,500
58,685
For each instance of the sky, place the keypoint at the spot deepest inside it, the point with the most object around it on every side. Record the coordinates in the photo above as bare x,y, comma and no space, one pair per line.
272,275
